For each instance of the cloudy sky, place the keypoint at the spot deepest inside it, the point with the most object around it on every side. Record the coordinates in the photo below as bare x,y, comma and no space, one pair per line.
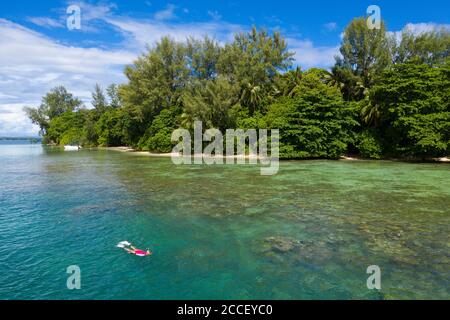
38,51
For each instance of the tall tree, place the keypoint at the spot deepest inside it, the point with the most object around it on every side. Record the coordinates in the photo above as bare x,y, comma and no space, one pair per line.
210,102
202,57
365,53
99,100
54,103
428,47
113,94
253,61
289,83
156,80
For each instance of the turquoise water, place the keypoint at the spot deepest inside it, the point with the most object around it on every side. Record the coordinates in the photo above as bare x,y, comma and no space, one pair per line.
220,232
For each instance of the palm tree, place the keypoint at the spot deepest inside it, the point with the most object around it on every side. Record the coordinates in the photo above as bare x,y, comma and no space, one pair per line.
351,86
291,82
252,96
370,114
334,79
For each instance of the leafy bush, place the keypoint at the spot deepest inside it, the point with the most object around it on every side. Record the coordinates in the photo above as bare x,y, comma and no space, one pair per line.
109,129
368,145
414,107
66,128
315,124
157,137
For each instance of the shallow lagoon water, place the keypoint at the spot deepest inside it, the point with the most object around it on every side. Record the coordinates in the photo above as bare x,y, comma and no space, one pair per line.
220,232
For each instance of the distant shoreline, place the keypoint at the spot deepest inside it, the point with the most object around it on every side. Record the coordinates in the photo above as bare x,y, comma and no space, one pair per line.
20,138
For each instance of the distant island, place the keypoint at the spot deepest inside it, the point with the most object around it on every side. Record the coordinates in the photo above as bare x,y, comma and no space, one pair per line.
31,139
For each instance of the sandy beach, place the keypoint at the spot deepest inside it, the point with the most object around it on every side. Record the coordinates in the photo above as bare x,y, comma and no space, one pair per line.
170,155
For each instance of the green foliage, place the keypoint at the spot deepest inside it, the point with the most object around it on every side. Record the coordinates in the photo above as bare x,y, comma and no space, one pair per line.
368,145
110,128
427,47
413,101
157,138
99,100
288,84
210,102
317,123
365,53
67,128
253,61
383,97
114,98
156,81
90,136
202,57
54,104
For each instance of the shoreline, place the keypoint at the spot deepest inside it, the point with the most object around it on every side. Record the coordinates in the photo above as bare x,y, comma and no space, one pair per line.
255,156
416,160
178,155
356,158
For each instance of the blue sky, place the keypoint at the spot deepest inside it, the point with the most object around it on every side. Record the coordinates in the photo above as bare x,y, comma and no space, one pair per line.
38,52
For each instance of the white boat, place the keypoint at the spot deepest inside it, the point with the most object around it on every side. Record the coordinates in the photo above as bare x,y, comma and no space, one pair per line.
72,148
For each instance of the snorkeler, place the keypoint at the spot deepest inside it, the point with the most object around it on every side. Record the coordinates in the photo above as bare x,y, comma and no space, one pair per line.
138,252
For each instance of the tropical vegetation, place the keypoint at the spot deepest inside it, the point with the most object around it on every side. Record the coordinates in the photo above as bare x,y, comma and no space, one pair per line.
387,95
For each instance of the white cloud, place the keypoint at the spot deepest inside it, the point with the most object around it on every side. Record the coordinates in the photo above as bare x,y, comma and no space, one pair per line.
419,28
140,33
91,12
46,22
15,123
166,14
330,26
307,55
31,64
91,16
6,96
214,15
